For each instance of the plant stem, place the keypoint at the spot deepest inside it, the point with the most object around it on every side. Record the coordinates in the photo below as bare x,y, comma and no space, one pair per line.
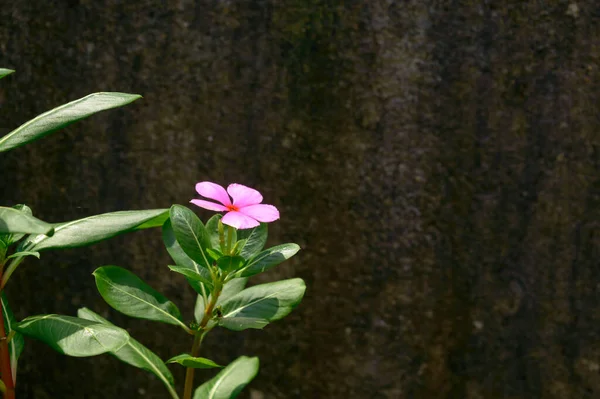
189,374
5,369
221,236
229,238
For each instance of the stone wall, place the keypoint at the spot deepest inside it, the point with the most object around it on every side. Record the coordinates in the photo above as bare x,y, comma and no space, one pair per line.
438,161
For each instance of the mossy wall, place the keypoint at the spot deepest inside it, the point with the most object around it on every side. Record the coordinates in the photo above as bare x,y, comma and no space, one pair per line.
438,162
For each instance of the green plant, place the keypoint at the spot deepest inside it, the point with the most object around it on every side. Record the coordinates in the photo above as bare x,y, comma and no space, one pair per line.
216,259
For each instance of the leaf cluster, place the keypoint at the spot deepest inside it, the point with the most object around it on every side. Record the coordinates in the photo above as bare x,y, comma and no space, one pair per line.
23,235
215,260
217,272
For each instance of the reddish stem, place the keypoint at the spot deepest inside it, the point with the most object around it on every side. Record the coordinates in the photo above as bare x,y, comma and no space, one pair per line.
189,374
5,369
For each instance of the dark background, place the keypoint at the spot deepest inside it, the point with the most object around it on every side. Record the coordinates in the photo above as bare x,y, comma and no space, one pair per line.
437,161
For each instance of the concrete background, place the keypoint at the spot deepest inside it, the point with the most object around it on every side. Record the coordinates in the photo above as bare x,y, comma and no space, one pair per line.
437,161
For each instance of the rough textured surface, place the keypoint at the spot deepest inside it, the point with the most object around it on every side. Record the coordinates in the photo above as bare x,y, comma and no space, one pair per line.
438,162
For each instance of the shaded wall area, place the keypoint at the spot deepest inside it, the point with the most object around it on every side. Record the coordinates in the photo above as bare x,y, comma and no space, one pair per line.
438,162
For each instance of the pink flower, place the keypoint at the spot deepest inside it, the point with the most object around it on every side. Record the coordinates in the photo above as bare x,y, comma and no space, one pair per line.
246,210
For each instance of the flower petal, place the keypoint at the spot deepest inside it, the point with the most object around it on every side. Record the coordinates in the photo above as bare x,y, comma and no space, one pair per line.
213,191
209,205
239,220
244,196
261,212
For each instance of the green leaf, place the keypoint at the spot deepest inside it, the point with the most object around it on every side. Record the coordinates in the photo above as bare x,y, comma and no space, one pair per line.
200,288
203,276
237,247
190,234
268,258
254,306
17,343
134,353
230,381
214,253
182,260
15,221
73,336
230,263
193,362
212,228
174,249
90,230
24,253
256,239
128,294
5,72
8,239
62,116
230,288
243,323
199,308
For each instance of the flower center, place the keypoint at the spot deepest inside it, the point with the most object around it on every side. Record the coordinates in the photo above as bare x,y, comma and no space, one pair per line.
232,208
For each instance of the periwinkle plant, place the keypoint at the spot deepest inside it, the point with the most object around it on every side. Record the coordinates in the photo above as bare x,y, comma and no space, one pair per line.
216,259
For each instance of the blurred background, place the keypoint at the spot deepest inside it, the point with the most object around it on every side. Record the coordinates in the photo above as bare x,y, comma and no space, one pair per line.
437,161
